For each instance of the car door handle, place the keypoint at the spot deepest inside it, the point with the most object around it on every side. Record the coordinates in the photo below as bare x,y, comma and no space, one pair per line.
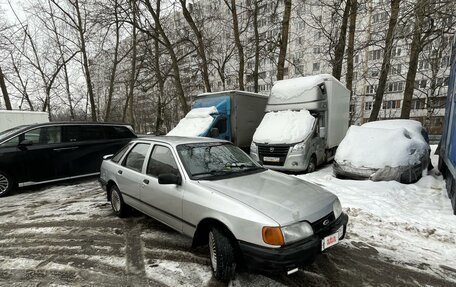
119,172
146,181
65,148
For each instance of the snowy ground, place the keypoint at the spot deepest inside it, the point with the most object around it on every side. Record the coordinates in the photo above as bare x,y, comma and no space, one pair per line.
60,235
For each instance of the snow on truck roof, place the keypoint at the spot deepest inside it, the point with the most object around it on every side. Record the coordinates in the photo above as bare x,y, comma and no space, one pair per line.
195,123
232,92
296,88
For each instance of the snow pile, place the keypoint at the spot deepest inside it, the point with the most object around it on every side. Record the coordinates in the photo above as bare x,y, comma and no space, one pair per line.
196,122
411,223
295,90
414,127
284,127
373,147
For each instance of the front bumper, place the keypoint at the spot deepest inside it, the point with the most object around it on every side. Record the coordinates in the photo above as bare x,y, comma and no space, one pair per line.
294,162
103,184
292,256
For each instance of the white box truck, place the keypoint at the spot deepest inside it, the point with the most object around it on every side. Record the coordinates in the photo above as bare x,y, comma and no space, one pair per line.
306,119
10,119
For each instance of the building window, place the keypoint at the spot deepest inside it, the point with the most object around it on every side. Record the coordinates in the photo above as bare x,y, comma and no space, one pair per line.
421,84
393,104
316,67
317,36
396,52
395,87
375,54
423,65
368,106
418,104
371,89
396,69
316,50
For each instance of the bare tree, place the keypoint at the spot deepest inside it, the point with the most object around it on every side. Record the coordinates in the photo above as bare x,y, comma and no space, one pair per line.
237,40
386,61
351,45
340,46
283,42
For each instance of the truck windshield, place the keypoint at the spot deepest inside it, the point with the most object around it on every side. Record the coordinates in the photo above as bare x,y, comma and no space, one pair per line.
215,160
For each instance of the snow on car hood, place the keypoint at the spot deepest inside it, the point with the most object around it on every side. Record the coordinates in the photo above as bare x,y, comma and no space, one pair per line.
195,123
284,127
372,147
283,198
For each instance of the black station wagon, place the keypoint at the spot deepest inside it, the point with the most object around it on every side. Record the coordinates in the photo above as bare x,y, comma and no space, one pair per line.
48,152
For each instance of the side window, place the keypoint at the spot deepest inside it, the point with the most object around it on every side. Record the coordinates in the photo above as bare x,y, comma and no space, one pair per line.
116,158
12,142
161,161
118,132
91,133
136,156
70,134
47,135
221,125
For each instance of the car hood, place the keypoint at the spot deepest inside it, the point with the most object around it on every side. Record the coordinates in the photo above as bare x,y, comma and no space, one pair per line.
284,198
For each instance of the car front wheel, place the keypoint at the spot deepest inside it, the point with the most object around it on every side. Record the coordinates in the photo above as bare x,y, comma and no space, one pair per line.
221,251
117,204
6,184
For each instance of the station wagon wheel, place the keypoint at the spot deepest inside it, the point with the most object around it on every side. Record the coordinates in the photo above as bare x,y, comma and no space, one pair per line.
117,204
6,184
222,257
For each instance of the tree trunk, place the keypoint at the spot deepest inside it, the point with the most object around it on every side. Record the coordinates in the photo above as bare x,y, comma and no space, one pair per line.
386,61
415,49
284,39
85,62
161,86
237,41
131,116
174,61
4,91
201,49
257,47
340,47
112,78
351,44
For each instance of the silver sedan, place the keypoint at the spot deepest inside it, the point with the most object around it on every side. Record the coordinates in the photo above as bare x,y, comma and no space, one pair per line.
213,192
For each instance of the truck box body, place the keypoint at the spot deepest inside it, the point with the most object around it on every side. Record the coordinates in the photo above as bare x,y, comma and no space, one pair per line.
10,119
447,159
238,115
314,112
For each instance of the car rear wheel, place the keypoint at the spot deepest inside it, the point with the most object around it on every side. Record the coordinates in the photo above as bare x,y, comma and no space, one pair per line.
117,204
6,184
222,256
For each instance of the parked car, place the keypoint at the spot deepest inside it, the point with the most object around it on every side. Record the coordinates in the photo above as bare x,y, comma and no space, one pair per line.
41,153
384,150
213,192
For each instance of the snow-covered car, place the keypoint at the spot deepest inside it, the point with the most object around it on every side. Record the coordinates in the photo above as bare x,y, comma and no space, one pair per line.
384,150
212,191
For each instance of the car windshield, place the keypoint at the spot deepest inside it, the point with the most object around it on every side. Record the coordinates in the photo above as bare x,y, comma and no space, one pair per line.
6,133
212,160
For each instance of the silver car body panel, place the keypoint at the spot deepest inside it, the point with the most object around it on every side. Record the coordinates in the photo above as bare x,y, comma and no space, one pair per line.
245,204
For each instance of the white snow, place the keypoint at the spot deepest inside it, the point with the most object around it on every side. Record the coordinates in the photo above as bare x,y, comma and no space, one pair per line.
404,222
196,122
296,89
284,127
374,147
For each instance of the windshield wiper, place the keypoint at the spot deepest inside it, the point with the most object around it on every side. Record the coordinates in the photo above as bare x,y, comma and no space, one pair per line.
239,164
212,172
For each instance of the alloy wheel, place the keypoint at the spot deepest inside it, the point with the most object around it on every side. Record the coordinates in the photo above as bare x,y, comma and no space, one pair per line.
115,201
4,183
212,251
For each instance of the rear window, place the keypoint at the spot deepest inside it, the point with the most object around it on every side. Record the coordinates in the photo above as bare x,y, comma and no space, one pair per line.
118,132
92,133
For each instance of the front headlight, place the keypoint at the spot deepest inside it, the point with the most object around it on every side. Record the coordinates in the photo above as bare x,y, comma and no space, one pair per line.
299,147
337,208
297,231
253,148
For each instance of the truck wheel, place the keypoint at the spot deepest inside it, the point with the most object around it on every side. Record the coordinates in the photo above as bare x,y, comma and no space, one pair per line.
312,165
117,204
221,251
6,184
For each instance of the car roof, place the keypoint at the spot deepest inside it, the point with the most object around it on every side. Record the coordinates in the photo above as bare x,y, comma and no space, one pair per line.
176,140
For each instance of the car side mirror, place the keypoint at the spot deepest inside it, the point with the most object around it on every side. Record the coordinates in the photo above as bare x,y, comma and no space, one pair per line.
108,156
214,133
25,143
169,178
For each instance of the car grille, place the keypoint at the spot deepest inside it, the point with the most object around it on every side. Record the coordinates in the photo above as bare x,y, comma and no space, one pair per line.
279,151
318,225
